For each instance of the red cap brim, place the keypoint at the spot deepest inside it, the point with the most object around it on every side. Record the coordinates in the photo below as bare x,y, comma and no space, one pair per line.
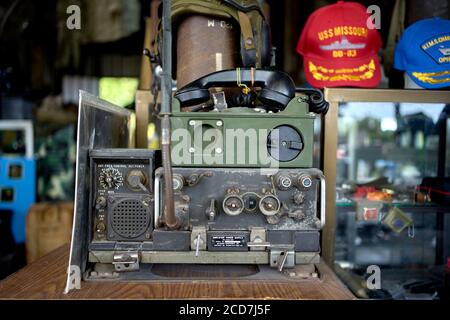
364,72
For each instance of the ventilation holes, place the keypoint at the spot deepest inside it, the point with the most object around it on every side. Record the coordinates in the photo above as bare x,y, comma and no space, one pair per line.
130,219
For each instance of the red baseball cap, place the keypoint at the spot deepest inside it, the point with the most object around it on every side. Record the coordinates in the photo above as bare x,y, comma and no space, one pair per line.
339,49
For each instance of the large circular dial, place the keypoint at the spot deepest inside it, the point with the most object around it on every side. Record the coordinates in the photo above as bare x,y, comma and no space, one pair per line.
284,143
110,178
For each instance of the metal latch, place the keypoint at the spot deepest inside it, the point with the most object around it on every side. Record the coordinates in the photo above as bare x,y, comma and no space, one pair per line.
282,258
258,239
198,239
126,261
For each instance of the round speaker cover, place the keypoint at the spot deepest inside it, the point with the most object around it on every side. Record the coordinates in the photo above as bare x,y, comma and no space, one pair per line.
130,218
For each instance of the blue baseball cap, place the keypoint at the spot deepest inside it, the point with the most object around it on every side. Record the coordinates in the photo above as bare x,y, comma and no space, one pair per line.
424,53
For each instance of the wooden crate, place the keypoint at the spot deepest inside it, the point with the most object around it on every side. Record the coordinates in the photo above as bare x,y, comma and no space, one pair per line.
49,226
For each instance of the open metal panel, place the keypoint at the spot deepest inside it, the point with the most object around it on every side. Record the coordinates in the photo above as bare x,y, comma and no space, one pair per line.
100,125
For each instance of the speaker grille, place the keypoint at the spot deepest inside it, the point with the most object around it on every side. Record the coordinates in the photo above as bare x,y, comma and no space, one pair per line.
130,218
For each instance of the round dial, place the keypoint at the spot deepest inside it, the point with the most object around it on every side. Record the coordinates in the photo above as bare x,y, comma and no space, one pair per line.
110,178
233,205
269,205
284,143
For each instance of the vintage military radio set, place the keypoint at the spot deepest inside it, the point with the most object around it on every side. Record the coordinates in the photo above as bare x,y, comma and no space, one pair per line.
224,211
234,182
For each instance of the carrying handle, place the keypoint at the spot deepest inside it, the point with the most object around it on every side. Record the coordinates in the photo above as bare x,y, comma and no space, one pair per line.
322,200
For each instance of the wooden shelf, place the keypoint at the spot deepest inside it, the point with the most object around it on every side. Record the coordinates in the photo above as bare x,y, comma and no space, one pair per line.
46,279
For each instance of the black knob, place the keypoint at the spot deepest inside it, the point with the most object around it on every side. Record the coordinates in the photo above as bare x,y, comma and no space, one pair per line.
100,203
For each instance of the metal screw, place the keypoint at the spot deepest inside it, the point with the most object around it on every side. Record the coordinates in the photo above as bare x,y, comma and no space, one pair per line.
191,150
219,123
192,122
218,150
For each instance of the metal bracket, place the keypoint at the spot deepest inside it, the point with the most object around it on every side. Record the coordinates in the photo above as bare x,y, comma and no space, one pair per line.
126,261
282,258
198,239
257,239
220,103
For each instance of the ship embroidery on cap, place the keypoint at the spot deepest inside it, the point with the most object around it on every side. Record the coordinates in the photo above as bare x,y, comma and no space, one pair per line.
343,44
444,51
438,48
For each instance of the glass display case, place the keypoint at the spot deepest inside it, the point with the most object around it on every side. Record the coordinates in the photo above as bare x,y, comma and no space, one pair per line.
387,163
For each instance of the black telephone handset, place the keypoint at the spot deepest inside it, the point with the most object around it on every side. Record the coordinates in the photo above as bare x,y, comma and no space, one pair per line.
277,88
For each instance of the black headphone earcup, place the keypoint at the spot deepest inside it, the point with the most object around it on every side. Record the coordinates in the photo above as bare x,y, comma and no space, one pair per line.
193,96
273,99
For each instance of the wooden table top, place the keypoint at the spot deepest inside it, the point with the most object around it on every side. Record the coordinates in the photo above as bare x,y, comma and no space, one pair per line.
46,279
